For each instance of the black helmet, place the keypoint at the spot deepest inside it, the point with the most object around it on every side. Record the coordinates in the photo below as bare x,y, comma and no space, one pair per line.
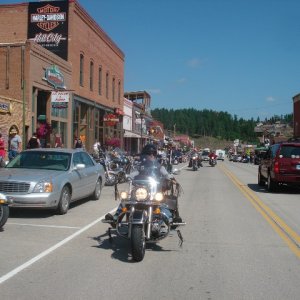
149,149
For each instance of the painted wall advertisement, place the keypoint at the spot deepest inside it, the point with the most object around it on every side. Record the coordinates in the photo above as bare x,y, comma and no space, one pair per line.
48,25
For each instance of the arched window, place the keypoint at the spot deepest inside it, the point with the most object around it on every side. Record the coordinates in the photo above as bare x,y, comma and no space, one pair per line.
119,92
113,89
100,81
106,85
81,69
91,75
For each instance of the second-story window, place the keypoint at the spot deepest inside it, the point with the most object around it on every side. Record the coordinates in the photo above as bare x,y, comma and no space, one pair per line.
106,85
113,89
119,92
91,75
81,65
100,81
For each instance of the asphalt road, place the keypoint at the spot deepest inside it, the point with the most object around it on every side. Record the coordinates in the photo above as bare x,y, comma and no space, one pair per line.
240,242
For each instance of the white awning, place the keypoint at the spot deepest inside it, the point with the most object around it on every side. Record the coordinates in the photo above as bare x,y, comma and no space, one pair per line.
130,134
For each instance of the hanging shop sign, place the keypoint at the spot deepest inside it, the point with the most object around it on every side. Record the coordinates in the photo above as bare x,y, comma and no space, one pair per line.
48,25
5,107
54,76
60,99
60,96
111,119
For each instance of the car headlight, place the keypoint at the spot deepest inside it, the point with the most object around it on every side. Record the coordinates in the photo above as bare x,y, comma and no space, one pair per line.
141,194
124,195
159,197
43,187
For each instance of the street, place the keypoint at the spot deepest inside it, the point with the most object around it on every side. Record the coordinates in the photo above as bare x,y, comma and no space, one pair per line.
240,242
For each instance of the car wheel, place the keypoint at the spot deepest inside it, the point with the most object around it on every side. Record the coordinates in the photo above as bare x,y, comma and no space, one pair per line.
97,193
64,201
260,180
272,186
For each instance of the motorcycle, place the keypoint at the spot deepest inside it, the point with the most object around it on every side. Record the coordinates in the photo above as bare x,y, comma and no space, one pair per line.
212,162
4,209
111,176
148,213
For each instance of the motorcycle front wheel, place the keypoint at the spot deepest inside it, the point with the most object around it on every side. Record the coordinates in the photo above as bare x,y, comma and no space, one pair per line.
138,243
4,213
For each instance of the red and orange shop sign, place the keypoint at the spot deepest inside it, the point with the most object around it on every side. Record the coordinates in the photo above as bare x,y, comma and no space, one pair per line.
111,119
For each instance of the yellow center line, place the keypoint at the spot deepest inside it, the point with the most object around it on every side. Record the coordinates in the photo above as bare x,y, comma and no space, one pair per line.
289,236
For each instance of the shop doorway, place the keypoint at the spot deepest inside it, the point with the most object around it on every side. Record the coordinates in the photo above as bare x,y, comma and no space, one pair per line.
42,99
43,128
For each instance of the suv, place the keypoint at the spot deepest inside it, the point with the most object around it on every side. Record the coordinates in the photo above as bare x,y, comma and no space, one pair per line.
280,165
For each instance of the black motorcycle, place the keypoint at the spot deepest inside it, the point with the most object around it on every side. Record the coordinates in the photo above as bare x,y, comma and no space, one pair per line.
4,209
212,162
148,213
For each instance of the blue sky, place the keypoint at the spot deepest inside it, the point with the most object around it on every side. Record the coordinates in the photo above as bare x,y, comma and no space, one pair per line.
238,56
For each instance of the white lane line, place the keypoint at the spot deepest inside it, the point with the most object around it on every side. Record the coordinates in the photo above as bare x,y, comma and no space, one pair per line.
36,225
50,250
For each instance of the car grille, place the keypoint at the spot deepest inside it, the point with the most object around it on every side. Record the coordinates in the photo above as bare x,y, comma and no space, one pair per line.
14,187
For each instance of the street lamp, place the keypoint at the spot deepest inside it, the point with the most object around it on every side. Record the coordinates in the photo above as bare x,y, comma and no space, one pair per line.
142,117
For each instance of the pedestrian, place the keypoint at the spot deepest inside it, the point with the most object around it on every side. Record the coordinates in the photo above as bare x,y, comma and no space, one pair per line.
15,144
57,140
33,142
78,142
2,151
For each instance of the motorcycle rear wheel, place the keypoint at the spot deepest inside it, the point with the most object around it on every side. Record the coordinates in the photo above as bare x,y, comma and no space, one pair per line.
4,213
138,243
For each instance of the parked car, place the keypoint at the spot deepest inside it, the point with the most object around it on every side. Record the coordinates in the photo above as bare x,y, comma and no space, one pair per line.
280,165
51,178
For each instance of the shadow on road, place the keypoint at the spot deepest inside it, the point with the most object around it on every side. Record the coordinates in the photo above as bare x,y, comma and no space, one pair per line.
121,247
283,189
40,213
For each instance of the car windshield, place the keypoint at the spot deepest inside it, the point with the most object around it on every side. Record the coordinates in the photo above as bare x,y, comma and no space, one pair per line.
41,160
290,152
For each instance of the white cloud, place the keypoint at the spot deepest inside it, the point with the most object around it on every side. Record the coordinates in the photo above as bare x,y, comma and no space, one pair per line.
181,80
270,99
193,63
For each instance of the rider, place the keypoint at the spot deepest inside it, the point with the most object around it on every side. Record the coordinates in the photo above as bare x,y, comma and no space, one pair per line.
212,155
149,163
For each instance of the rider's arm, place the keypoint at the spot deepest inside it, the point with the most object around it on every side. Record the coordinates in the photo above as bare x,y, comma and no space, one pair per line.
165,173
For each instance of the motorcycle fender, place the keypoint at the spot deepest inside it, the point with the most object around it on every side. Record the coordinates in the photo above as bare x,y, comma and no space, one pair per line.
138,217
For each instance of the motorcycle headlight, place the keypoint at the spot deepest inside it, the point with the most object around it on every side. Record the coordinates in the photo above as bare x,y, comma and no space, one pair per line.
141,194
159,197
43,187
124,195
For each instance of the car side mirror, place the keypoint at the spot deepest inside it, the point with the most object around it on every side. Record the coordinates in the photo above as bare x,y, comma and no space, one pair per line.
176,171
79,166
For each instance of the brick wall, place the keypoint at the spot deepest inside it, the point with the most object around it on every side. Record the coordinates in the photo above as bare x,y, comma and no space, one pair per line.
86,37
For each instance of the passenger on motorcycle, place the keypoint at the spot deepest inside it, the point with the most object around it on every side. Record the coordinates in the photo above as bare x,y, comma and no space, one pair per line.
149,164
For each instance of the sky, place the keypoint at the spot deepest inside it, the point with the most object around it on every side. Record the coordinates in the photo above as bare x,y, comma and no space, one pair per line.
236,56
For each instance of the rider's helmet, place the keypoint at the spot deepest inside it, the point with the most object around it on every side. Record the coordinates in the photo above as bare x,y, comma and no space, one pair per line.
149,149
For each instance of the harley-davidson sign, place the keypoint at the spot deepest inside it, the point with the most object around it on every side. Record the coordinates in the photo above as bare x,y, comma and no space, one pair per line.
48,25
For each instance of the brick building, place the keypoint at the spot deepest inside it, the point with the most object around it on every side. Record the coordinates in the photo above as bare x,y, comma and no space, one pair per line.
58,66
